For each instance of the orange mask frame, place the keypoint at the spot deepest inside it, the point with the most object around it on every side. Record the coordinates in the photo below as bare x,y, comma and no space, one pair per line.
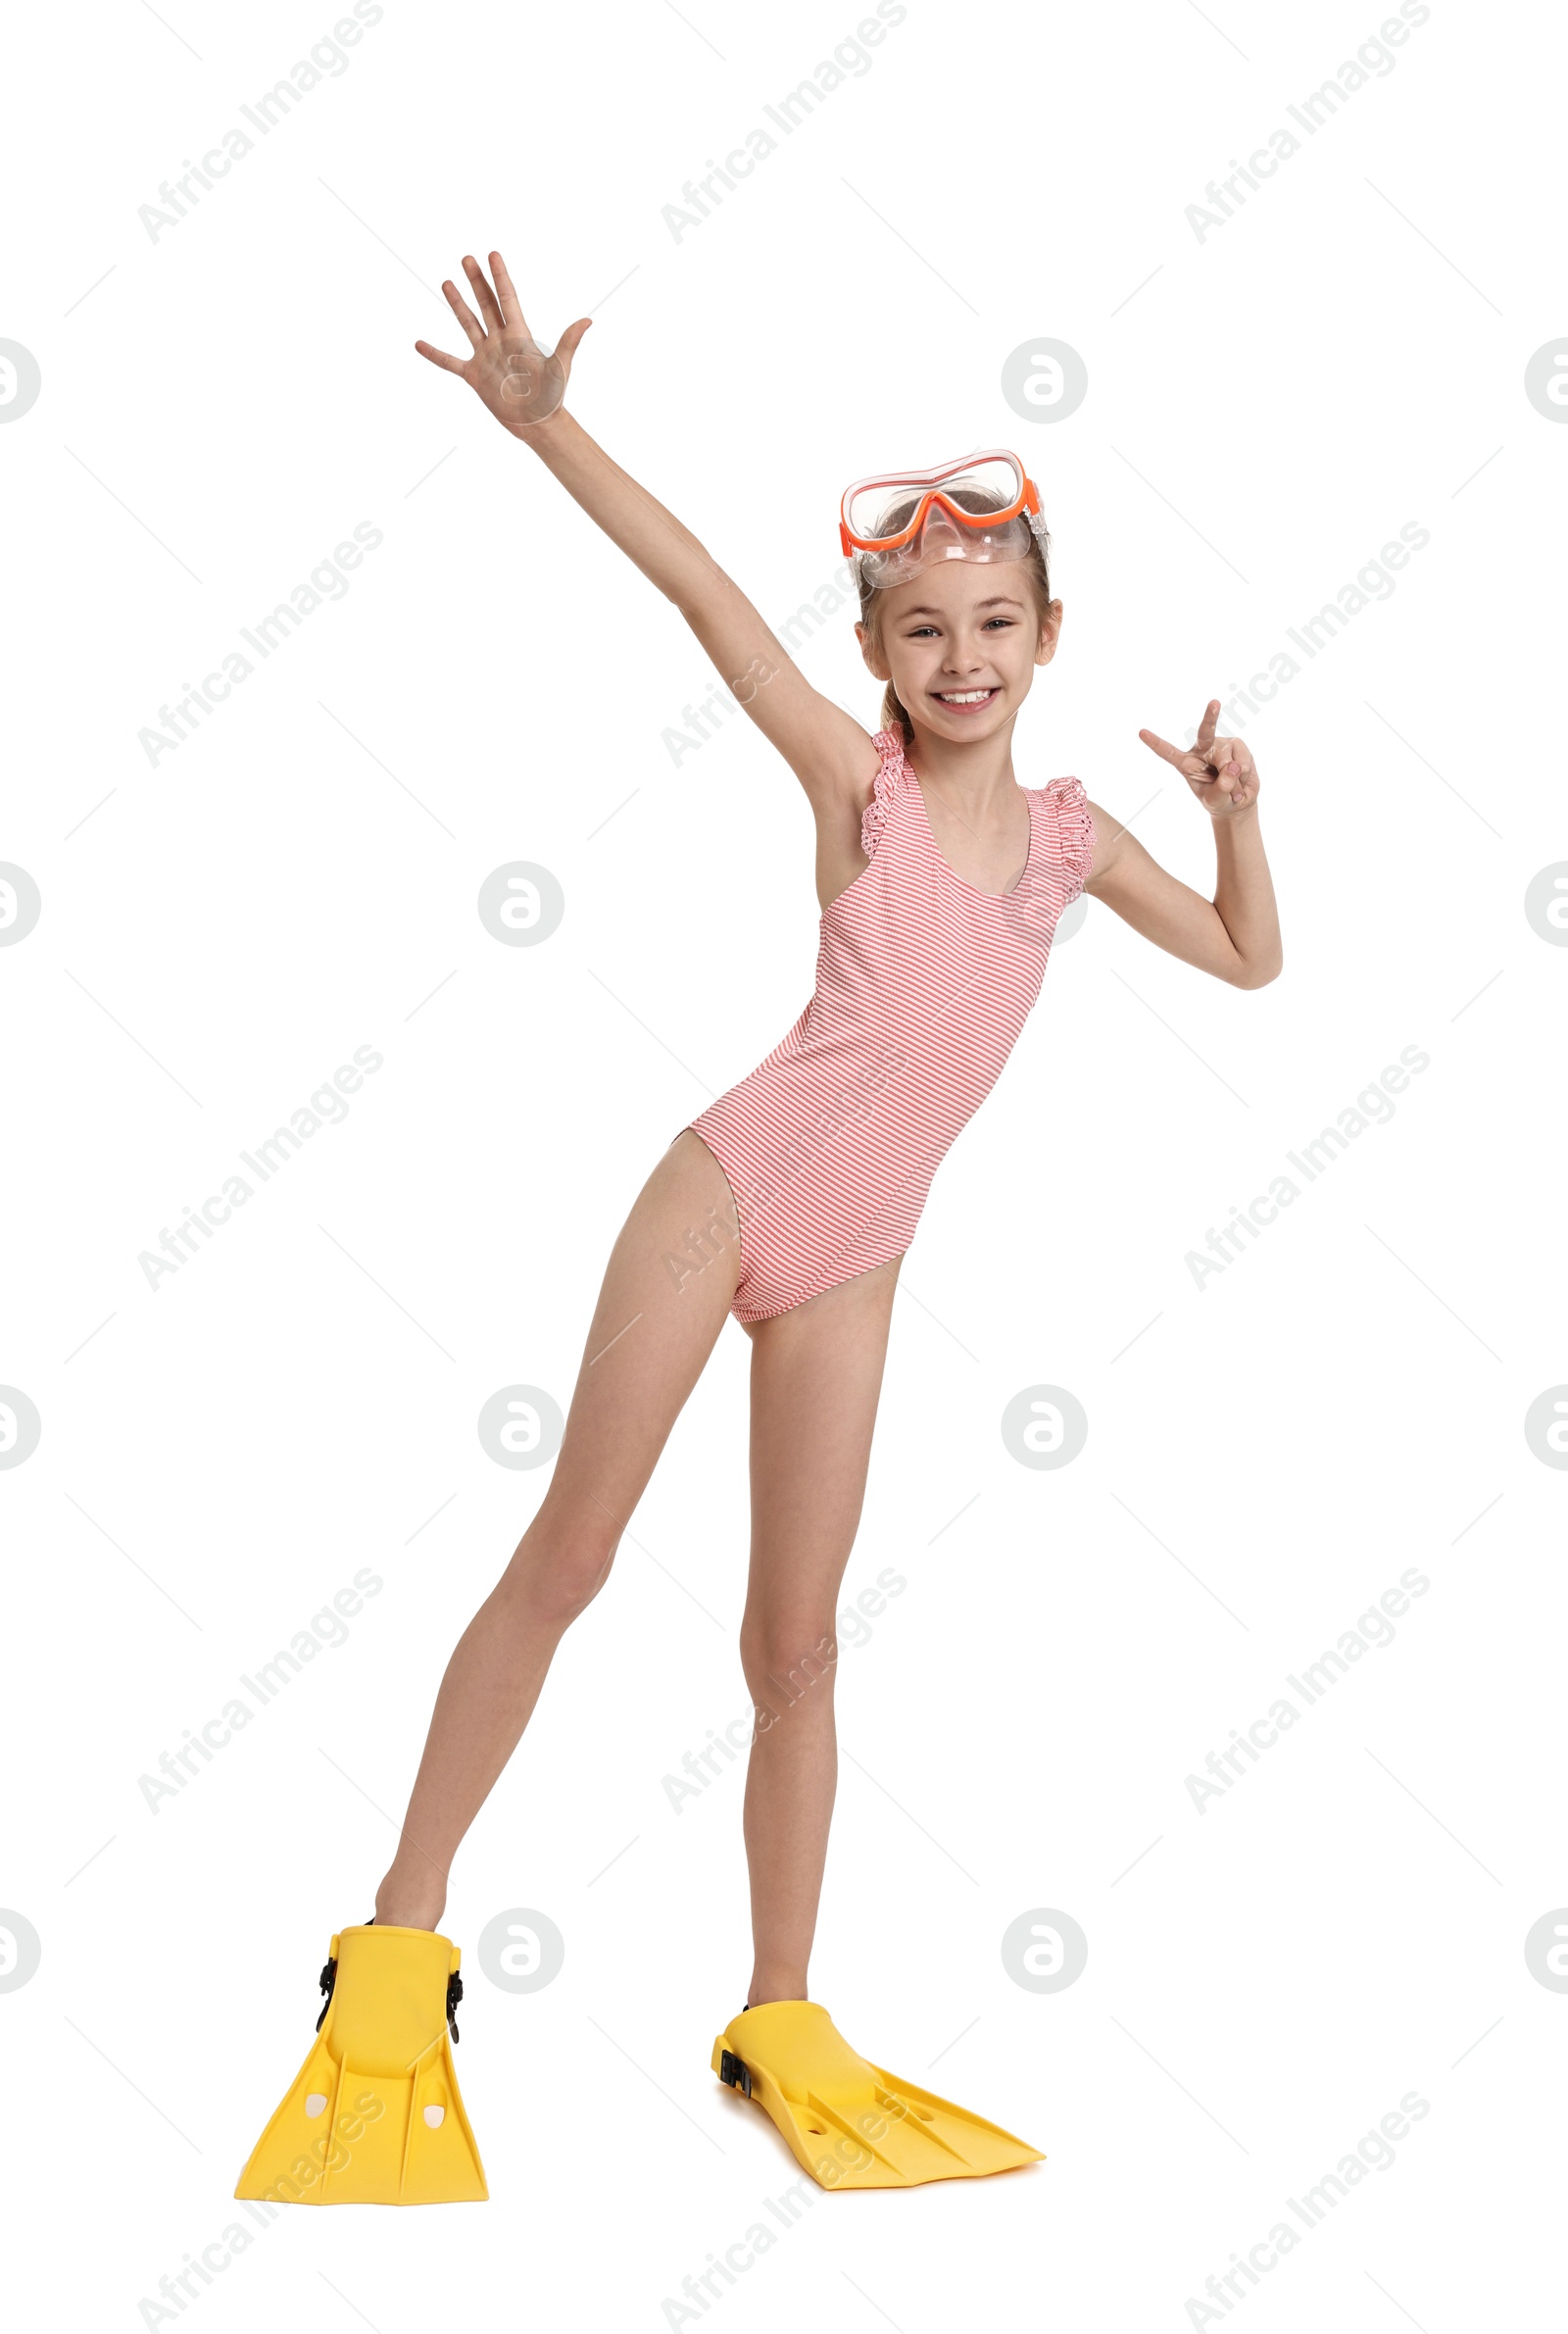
927,487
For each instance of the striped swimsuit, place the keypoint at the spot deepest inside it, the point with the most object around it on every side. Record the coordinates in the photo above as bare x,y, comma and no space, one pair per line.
922,985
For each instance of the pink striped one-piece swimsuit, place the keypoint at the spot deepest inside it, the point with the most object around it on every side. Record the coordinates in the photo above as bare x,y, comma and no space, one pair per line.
922,985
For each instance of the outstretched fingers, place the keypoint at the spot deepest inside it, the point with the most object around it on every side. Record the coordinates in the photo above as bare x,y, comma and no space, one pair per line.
489,305
464,314
440,357
512,314
1188,764
1217,768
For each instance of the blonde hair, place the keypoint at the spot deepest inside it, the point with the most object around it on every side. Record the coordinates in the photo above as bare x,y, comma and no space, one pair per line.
873,596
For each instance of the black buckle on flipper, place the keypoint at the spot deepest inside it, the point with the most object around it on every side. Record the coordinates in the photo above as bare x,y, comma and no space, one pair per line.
453,1997
735,2072
328,1980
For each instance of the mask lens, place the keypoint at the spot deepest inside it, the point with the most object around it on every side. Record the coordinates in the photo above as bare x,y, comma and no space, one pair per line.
997,480
883,507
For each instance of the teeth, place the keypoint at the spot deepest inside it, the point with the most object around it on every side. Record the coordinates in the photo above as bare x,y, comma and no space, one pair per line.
964,696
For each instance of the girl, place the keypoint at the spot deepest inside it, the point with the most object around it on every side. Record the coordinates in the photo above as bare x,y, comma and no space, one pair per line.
789,1203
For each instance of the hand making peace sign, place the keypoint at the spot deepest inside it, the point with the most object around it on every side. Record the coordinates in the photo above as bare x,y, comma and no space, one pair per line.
508,369
1220,770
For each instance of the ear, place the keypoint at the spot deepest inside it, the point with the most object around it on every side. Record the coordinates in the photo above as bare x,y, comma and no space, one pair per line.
876,663
1050,634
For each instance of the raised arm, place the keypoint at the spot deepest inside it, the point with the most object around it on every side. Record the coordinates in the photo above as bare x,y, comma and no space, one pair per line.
829,752
1236,935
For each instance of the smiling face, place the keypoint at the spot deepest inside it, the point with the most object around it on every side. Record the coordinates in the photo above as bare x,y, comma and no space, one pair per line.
961,642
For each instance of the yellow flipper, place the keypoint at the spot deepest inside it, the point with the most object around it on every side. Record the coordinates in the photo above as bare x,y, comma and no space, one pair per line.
851,2124
374,2116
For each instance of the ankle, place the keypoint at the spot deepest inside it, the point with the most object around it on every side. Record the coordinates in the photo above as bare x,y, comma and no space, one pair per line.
405,1904
775,1986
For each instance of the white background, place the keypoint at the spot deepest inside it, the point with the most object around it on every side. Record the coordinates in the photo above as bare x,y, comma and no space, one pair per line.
1266,1978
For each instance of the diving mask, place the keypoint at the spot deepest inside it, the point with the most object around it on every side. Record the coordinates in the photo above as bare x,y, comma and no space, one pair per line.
981,508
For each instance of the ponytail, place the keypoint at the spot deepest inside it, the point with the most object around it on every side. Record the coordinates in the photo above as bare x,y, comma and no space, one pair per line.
893,716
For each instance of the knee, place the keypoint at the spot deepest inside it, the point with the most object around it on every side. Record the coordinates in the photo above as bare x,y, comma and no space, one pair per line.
557,1572
787,1655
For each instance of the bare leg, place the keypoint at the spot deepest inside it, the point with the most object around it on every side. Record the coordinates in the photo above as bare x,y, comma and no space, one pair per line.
645,1351
816,1375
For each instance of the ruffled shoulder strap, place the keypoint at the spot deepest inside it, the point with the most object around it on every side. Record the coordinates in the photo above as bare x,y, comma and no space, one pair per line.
1069,806
889,744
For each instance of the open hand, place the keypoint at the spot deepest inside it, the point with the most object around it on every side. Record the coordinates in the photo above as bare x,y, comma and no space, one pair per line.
508,369
1220,770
